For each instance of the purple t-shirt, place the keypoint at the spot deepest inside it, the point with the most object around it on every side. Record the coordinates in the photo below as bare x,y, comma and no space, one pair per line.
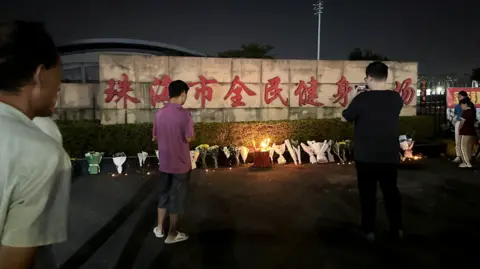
172,126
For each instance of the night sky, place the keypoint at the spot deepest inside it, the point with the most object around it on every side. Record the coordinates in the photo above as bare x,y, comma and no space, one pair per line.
441,35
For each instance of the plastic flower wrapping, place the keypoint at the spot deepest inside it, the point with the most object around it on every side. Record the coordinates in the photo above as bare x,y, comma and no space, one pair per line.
342,151
142,157
244,153
236,151
291,151
228,151
296,149
330,157
119,159
93,159
319,149
280,150
203,150
309,150
213,151
406,144
194,157
158,158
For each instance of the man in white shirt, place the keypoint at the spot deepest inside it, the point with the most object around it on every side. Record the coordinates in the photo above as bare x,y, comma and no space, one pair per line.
34,168
49,127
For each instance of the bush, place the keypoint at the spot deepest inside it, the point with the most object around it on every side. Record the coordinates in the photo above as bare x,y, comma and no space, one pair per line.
82,136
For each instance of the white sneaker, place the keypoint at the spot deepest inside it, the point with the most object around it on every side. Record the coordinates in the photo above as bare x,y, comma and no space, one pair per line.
158,234
457,160
464,165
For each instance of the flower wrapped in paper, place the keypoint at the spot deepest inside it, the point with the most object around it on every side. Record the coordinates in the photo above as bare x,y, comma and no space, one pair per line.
244,153
342,151
406,144
213,151
291,151
194,157
158,158
330,157
93,159
320,149
296,149
349,147
280,150
228,153
203,150
236,153
336,151
142,157
119,159
309,150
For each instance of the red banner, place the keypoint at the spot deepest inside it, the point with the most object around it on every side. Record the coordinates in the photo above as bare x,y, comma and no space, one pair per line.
452,96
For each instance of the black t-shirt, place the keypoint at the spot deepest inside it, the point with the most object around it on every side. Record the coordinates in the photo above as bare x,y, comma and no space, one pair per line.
468,127
375,115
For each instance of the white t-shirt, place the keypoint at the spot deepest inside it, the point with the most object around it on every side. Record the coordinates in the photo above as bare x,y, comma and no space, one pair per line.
48,126
35,176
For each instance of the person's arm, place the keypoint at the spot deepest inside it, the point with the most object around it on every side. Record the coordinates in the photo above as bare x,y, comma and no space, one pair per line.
154,129
352,111
458,112
189,132
36,215
462,119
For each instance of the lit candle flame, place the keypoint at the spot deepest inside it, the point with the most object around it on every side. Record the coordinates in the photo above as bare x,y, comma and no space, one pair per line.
264,145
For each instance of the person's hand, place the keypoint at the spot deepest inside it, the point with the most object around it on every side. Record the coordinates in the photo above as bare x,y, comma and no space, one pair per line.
343,119
154,138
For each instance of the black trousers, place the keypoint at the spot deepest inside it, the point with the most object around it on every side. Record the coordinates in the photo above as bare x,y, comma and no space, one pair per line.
368,174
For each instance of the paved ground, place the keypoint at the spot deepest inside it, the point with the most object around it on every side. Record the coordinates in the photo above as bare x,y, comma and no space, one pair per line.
283,218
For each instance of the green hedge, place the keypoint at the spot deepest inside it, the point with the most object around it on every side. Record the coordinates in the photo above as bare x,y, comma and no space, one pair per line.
82,136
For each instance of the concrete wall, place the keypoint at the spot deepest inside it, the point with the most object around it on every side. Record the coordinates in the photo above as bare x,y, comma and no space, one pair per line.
77,100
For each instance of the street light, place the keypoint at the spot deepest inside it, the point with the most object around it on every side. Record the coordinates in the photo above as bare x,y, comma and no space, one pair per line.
318,8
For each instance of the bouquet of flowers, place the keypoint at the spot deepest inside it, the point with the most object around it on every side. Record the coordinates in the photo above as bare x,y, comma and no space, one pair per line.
94,158
228,152
142,157
203,150
193,158
119,159
213,151
236,153
244,152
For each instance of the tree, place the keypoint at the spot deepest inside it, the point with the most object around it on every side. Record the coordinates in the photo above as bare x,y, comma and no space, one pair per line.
365,55
250,50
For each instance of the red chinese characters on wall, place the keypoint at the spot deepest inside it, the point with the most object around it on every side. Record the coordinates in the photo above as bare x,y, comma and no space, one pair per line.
343,89
159,90
307,93
124,87
203,91
236,89
273,91
405,90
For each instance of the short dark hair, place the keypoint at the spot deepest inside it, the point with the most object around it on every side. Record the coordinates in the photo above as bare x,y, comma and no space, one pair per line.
176,88
377,71
23,47
463,93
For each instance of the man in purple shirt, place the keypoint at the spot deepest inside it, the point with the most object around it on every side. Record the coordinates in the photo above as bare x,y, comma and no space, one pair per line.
173,130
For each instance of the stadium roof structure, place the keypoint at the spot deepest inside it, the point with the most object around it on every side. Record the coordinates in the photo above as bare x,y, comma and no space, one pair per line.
125,45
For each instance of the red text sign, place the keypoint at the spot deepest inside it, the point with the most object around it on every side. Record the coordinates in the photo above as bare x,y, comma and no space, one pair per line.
273,91
343,89
159,90
452,96
203,91
406,91
236,89
120,89
307,94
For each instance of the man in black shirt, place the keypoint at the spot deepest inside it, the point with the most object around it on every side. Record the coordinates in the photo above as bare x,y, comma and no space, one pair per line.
375,115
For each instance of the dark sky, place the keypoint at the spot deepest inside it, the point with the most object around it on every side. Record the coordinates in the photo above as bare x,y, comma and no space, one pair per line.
441,35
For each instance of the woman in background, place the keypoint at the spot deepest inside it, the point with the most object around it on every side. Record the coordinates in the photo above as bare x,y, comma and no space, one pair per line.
467,131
